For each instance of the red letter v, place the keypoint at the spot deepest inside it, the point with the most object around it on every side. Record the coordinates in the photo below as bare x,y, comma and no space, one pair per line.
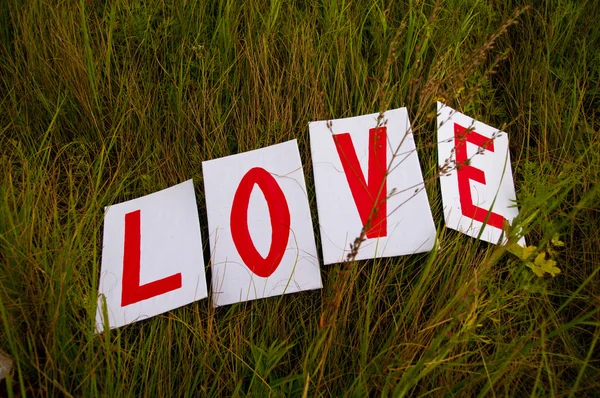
370,198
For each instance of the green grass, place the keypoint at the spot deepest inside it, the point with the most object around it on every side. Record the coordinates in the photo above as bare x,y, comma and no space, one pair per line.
102,102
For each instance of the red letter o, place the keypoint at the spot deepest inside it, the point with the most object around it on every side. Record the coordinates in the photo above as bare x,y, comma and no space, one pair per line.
280,222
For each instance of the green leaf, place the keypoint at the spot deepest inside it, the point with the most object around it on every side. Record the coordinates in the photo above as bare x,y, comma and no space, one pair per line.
522,252
547,265
536,270
541,266
556,241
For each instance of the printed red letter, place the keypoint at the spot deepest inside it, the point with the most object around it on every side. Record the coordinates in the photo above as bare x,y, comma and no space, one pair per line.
370,199
467,172
132,292
280,222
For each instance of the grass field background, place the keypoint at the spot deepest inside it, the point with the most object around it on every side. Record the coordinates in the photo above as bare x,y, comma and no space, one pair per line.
102,102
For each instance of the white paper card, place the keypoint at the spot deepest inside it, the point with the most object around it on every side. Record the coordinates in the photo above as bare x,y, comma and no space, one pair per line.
261,235
152,259
477,183
350,160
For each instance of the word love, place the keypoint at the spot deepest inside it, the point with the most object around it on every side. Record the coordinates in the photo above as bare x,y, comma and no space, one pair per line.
368,183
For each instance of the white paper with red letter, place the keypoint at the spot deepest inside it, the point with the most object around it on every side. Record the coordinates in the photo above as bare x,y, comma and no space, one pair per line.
261,236
478,188
350,160
152,259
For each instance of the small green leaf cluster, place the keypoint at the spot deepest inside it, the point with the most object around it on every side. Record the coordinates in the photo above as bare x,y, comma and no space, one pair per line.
535,258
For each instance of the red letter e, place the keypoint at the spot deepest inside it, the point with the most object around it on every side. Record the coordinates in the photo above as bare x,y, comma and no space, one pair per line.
467,172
